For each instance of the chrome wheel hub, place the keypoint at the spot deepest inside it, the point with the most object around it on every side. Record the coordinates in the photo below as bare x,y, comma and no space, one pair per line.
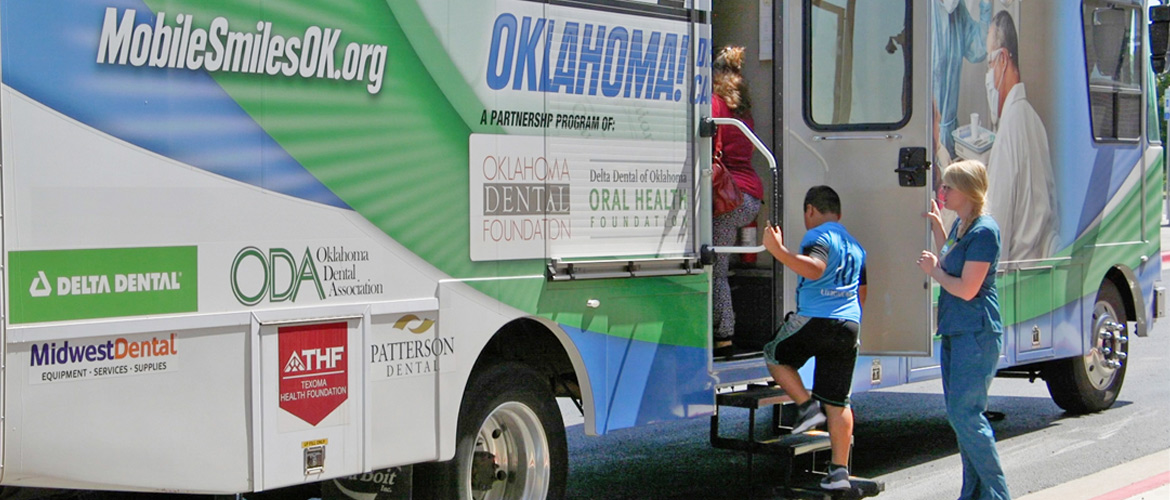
1108,350
511,458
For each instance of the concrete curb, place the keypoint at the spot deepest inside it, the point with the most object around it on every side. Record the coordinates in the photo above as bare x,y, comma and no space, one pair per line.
1145,478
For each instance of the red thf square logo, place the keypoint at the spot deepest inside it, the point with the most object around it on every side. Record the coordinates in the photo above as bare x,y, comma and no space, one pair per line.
314,377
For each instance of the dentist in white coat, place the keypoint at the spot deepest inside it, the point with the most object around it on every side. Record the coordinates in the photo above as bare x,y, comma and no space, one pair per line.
1022,190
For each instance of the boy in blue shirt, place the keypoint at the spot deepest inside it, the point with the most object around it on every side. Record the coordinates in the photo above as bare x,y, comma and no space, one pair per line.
829,296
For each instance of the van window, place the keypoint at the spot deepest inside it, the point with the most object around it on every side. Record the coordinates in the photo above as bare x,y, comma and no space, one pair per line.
857,64
1113,65
1153,111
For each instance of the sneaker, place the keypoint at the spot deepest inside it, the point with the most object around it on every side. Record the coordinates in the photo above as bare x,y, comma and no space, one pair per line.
836,479
809,415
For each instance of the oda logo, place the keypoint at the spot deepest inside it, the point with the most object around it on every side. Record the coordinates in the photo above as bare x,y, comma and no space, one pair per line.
277,275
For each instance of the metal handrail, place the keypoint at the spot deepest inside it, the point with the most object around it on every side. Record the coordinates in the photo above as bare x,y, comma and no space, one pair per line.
759,145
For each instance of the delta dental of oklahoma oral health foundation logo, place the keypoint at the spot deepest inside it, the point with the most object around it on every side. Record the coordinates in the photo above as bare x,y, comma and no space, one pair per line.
58,285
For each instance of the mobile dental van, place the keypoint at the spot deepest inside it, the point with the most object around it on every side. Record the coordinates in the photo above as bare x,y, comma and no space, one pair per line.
258,244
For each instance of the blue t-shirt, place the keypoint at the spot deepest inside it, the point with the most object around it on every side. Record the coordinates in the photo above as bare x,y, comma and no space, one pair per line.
980,314
834,294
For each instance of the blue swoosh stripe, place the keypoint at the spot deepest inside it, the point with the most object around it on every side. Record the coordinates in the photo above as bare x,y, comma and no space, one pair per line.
50,55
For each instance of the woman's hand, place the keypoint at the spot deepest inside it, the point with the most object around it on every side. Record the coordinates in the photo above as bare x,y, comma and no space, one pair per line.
927,262
936,225
935,216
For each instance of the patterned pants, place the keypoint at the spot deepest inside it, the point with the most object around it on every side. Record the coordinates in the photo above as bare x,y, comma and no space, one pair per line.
725,227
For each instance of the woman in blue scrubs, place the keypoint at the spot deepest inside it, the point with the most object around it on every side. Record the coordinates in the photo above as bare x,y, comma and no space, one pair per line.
968,322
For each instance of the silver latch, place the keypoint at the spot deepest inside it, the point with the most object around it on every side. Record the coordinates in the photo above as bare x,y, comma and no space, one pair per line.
314,459
1159,302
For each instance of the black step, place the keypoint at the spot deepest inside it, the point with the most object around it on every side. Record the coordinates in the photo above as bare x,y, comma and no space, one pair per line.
808,442
808,487
787,445
754,397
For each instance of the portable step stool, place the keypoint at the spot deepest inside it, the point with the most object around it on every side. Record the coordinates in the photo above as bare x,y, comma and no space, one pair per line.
786,446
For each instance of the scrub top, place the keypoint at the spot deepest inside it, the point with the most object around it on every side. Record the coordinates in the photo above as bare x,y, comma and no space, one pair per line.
981,313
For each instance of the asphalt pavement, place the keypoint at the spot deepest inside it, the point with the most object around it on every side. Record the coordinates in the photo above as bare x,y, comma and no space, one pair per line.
1146,478
902,438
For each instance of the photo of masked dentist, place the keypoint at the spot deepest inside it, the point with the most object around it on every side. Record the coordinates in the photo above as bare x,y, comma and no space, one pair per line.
1021,190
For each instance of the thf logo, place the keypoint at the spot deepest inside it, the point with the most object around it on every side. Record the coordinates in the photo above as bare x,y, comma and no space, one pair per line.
314,369
315,360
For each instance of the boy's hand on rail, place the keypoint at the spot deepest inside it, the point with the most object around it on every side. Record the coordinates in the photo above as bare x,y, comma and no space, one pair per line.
774,239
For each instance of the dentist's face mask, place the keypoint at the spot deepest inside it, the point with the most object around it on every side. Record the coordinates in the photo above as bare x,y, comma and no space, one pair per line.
992,85
949,5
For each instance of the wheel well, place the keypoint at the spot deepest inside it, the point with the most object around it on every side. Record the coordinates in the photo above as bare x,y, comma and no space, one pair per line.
1122,283
530,342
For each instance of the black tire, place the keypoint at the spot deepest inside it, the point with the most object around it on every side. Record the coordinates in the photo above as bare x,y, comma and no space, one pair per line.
508,419
1091,383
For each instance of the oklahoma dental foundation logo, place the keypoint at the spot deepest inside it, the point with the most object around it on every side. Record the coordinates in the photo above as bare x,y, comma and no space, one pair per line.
58,285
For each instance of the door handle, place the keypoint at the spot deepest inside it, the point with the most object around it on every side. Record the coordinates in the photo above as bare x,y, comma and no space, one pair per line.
912,166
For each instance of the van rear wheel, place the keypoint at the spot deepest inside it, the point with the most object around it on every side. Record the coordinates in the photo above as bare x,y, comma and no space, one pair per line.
1091,383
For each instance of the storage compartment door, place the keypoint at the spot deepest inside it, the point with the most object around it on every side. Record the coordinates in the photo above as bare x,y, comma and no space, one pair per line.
310,399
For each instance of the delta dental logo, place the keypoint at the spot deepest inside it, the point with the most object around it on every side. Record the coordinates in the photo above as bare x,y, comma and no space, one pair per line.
104,284
60,285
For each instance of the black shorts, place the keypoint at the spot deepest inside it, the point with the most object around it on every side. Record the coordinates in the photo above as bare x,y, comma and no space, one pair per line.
834,342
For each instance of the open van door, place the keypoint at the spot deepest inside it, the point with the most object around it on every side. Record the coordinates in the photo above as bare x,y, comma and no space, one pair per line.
857,116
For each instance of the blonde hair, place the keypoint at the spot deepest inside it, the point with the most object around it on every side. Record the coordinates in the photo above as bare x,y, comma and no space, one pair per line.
727,79
970,178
